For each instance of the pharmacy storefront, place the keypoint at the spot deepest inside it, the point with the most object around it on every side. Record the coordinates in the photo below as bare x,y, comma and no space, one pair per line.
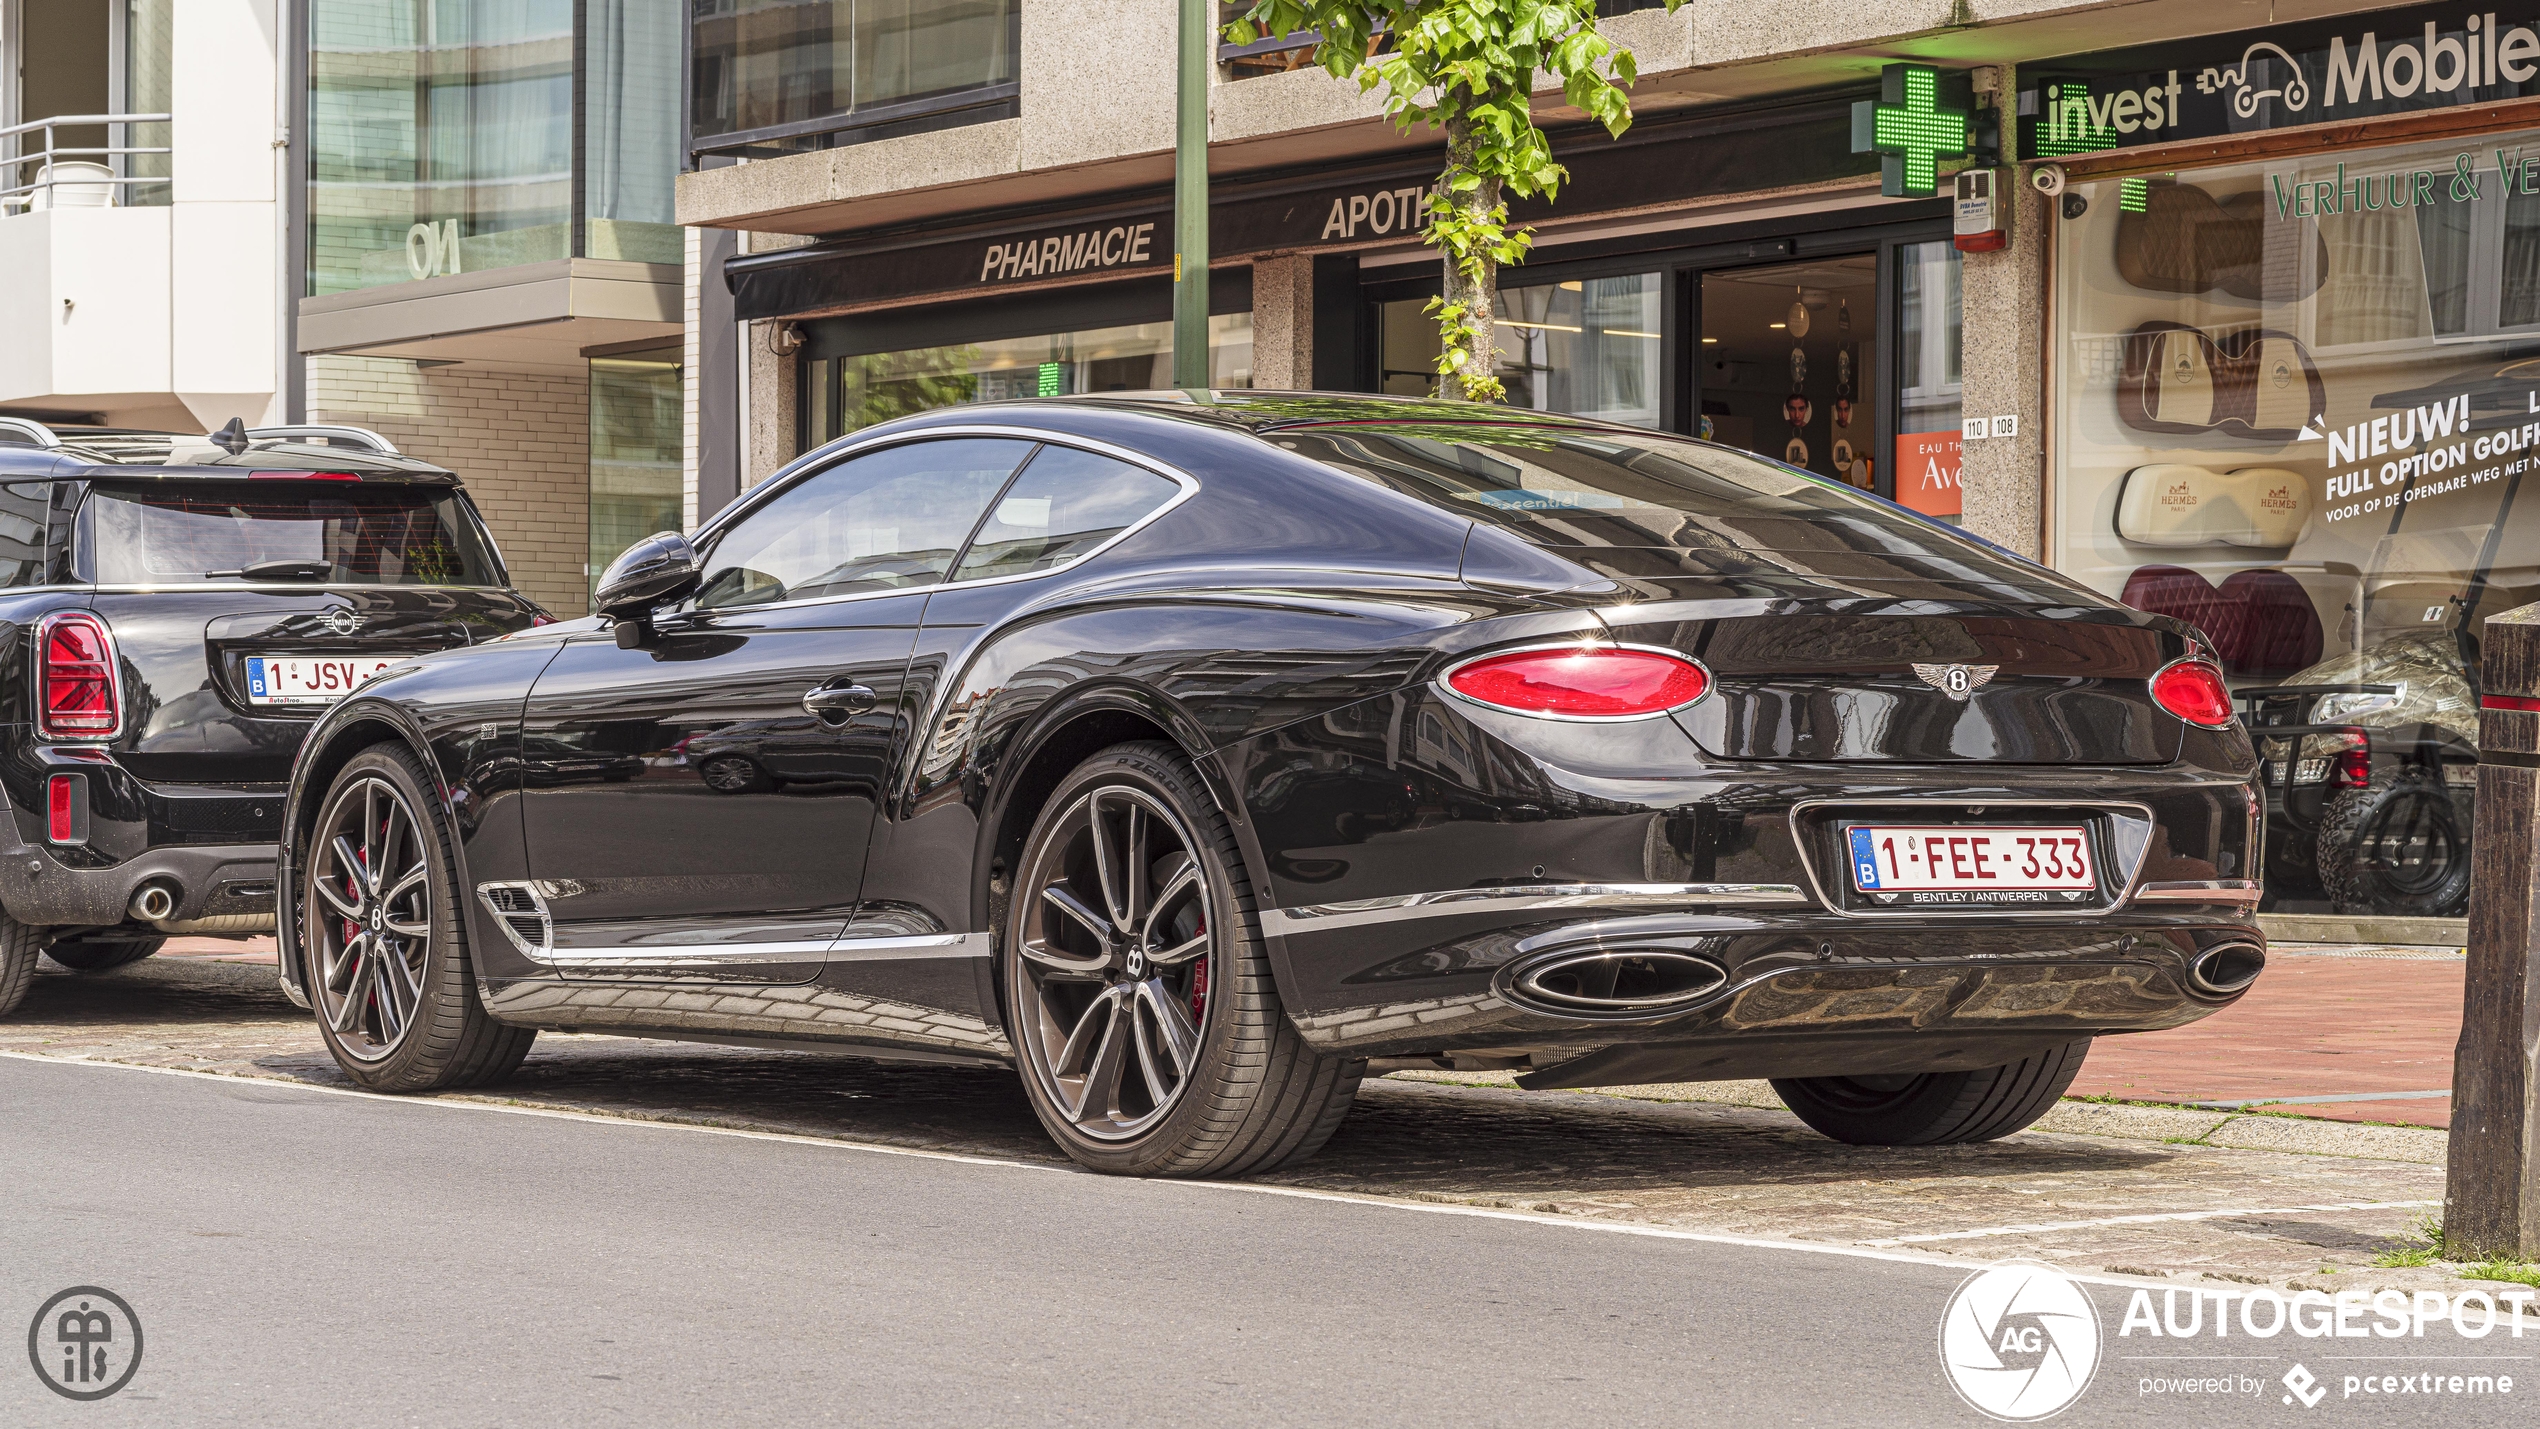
2296,378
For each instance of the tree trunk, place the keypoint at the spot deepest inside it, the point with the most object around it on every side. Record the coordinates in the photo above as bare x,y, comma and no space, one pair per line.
1472,284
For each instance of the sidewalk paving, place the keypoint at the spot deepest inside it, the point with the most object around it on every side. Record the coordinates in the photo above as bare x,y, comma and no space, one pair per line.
2340,1033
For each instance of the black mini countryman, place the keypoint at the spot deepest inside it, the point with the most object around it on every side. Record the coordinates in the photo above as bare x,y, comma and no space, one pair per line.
174,614
1197,756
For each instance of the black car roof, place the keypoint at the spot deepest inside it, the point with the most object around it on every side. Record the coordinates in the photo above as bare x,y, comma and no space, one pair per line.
1245,409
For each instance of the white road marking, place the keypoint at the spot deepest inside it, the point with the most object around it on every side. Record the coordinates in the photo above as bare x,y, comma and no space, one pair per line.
2048,1226
1881,1250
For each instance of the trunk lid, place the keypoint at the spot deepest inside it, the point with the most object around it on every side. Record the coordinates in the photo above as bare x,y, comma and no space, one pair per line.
1919,681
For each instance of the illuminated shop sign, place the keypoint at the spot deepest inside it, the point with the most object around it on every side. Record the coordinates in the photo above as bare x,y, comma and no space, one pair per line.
1922,115
2386,62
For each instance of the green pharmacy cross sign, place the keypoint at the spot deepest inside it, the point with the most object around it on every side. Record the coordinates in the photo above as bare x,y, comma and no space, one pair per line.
1921,115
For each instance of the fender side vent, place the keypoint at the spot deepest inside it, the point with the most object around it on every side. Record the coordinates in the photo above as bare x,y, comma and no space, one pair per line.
522,913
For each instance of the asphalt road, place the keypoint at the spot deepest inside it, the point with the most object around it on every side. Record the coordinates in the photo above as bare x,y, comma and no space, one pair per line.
305,1257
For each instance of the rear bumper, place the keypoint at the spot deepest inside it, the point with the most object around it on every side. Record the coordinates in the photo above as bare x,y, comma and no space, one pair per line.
78,887
1798,993
216,881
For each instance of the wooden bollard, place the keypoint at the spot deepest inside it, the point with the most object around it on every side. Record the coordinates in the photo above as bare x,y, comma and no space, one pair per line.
2491,1204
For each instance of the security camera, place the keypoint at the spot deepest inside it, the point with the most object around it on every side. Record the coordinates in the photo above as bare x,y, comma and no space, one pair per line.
2047,179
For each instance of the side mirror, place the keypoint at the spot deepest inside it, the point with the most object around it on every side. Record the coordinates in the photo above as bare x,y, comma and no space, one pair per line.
653,572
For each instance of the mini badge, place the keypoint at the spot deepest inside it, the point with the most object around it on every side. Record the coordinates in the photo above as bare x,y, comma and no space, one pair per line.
1956,681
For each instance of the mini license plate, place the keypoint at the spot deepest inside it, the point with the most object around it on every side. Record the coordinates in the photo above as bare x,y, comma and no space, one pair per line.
303,680
1920,864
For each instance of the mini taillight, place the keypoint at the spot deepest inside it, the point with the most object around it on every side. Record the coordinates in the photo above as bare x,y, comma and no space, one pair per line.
2194,691
78,693
1581,682
66,808
303,476
2524,703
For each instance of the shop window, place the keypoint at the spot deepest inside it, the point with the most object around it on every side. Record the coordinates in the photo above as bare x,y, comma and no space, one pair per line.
1790,362
1587,347
2295,406
845,394
635,451
1928,390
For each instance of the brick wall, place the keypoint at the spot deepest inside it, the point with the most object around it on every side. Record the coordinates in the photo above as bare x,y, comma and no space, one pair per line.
519,439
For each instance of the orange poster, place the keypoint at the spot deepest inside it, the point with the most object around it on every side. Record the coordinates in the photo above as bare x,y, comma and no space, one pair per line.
1927,472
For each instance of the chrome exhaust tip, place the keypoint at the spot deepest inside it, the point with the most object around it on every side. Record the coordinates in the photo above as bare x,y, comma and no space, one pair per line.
153,902
2226,968
1614,981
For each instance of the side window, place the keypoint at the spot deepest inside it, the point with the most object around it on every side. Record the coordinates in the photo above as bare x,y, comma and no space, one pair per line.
1065,504
24,506
890,520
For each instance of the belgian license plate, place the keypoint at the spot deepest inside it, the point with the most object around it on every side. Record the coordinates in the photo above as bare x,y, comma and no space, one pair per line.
303,680
1920,864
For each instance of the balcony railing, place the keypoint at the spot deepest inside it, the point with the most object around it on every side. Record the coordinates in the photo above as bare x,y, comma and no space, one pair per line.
65,176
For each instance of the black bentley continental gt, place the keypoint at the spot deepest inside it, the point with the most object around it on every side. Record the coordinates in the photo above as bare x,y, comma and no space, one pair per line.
1197,756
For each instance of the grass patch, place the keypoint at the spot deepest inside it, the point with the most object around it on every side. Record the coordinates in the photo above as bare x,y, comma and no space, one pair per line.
2519,1272
2427,1232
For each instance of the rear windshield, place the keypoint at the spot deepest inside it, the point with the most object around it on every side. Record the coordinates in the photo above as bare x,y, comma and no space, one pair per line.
1560,487
366,535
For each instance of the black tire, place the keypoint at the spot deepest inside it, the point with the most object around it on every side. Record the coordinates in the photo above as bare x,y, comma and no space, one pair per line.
96,955
2398,847
1934,1108
448,1040
20,945
1254,1095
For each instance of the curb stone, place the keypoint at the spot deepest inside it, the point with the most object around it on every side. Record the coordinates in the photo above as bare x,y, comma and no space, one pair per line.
2233,1131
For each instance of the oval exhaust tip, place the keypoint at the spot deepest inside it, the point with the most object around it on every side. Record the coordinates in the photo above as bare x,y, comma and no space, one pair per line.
2226,969
1620,980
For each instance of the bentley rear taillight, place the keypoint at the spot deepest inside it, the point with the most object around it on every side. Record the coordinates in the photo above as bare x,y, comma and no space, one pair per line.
78,694
2194,691
1588,682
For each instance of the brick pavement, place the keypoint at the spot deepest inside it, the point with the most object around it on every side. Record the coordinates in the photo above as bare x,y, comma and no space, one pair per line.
2271,1207
2320,1023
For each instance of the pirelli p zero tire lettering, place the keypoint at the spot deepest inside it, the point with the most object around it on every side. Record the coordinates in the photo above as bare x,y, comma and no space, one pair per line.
383,940
1935,1108
1138,993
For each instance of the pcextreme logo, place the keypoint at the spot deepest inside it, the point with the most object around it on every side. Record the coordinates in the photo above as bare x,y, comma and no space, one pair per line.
2020,1341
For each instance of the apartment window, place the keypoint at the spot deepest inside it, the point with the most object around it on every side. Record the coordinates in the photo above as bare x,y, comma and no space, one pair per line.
783,76
442,136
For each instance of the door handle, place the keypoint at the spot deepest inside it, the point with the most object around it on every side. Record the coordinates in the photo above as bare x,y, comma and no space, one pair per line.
837,704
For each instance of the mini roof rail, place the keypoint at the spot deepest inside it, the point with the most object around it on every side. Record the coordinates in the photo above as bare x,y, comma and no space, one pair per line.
346,436
35,431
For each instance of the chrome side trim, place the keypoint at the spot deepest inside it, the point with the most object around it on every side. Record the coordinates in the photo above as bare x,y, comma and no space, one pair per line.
710,955
1528,898
495,894
2243,891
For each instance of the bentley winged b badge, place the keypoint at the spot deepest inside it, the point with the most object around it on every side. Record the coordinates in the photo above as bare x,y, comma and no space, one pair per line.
1956,681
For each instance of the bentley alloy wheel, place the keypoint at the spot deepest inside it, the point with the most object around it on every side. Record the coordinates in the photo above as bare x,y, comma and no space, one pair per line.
1136,983
381,938
370,917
